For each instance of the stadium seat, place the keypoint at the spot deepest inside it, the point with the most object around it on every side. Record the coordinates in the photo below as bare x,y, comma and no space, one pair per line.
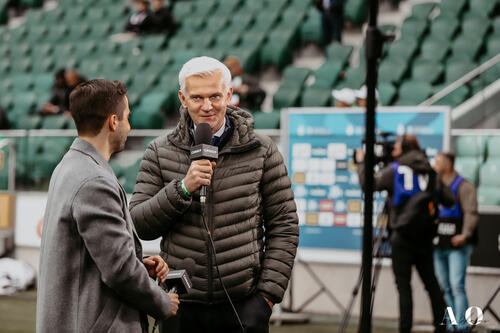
145,119
339,53
456,70
414,29
37,34
393,71
57,33
466,47
387,93
471,146
310,31
488,174
153,101
130,174
295,76
434,50
403,49
453,8
22,82
496,26
475,27
182,9
354,78
74,14
55,122
493,47
327,75
483,7
41,50
428,71
414,92
444,28
96,14
203,40
468,167
100,30
313,96
356,11
454,98
267,120
276,52
488,195
422,10
493,146
29,122
287,96
42,64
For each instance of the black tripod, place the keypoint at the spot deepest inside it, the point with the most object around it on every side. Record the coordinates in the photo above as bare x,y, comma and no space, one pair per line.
381,250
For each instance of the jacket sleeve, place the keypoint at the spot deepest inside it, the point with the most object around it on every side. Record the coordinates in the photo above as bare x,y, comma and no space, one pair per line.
384,179
98,213
281,227
468,202
154,207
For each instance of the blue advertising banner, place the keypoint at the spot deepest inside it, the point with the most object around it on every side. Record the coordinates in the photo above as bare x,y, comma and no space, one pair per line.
319,145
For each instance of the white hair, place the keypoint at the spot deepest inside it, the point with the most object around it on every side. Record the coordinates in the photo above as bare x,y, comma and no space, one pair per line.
203,66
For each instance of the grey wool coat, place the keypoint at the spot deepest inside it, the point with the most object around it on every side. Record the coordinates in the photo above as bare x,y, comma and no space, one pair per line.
92,278
251,212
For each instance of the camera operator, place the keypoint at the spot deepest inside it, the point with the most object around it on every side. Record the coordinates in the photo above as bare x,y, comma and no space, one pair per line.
413,188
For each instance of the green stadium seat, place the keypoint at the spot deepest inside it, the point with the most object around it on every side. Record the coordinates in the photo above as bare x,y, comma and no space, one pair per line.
339,52
144,119
42,64
216,24
327,75
496,26
96,14
277,53
434,50
316,97
403,49
466,47
456,70
267,120
488,174
37,34
228,6
20,50
153,43
160,60
493,146
444,28
202,40
387,93
74,14
182,9
414,29
256,38
22,82
264,22
483,7
55,122
42,50
241,22
300,5
178,43
295,76
422,10
287,96
154,101
131,48
393,71
493,46
20,65
310,31
277,5
4,66
143,82
89,67
253,7
112,65
293,16
248,56
354,78
85,49
53,16
468,167
19,33
29,122
414,92
117,169
227,40
100,30
204,8
130,174
475,28
430,72
488,195
356,11
453,8
57,33
455,98
471,146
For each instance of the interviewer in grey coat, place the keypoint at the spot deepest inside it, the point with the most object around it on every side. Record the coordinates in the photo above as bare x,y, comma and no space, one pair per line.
92,275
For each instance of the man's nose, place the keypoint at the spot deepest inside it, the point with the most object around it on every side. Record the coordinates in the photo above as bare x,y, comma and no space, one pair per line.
207,105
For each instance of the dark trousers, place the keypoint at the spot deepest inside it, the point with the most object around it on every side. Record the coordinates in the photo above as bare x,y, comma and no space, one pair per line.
406,254
332,23
254,313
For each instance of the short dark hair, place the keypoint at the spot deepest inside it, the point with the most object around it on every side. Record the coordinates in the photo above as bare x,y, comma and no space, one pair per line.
92,102
409,142
449,156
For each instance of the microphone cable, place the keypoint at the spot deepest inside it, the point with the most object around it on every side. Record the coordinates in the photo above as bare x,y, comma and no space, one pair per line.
217,267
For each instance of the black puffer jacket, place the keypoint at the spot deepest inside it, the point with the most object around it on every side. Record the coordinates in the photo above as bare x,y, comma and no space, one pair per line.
250,205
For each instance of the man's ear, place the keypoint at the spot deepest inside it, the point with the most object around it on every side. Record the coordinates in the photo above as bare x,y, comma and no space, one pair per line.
112,122
229,94
183,100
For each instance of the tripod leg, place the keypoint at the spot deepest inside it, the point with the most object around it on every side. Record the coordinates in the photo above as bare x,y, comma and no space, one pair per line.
347,312
487,307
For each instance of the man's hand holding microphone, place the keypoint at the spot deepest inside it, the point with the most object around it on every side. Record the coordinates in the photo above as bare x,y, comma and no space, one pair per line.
158,268
199,174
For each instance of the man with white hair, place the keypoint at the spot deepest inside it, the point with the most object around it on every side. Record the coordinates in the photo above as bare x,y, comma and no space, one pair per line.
251,214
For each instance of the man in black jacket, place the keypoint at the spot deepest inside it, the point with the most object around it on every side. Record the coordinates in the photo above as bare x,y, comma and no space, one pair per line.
140,22
162,19
412,187
332,19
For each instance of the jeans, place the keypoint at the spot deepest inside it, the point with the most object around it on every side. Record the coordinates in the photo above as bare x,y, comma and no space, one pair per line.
332,24
405,255
451,266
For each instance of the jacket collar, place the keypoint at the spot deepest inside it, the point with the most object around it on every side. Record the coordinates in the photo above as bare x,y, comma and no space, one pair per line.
242,139
88,149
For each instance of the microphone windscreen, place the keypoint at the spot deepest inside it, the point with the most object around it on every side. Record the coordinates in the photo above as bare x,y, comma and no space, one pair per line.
189,265
203,134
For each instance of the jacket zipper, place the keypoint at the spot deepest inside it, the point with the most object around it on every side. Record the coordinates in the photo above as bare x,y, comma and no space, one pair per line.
209,247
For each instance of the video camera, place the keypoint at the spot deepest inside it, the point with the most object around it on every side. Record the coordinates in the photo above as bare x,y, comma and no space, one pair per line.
382,148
